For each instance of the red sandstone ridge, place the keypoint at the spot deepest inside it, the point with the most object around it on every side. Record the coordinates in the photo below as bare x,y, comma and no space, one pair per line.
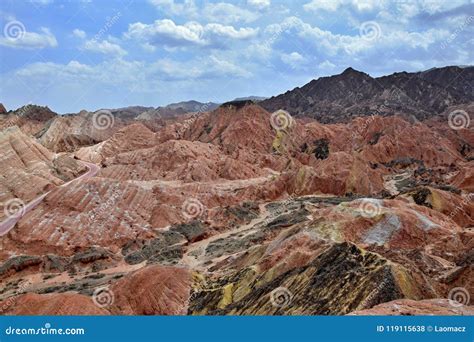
28,169
130,138
94,212
67,133
50,304
179,160
157,291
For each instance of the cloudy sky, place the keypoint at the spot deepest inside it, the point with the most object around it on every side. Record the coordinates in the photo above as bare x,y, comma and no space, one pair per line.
91,54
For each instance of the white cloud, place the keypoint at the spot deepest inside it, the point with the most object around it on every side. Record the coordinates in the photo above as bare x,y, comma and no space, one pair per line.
79,33
117,74
260,4
326,5
186,8
222,12
166,33
331,44
294,59
357,5
208,68
22,39
104,47
225,13
49,69
326,65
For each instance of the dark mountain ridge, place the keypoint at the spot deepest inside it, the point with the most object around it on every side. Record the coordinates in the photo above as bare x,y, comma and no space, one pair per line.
353,93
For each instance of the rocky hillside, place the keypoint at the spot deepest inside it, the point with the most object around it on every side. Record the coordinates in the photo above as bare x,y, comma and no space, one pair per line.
359,204
353,93
28,169
237,211
31,119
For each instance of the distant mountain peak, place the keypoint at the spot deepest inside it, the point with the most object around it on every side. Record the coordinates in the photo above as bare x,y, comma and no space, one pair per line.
353,73
353,93
349,70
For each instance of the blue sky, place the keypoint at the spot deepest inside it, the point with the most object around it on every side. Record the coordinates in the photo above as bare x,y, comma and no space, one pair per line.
73,55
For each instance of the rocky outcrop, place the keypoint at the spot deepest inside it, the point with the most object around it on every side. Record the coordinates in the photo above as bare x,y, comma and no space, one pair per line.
338,281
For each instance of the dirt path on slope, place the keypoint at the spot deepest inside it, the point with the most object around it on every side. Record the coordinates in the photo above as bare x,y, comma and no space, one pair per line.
11,221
